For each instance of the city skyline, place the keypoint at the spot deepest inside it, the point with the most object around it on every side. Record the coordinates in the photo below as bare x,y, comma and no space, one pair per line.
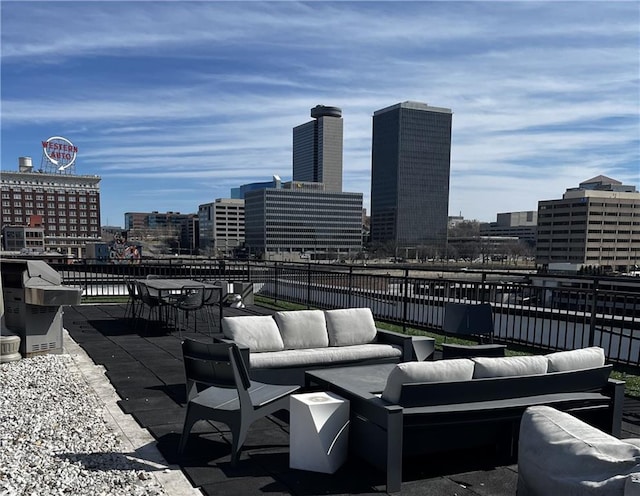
175,103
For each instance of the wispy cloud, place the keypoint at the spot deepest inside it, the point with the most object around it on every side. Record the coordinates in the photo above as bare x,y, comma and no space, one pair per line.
190,99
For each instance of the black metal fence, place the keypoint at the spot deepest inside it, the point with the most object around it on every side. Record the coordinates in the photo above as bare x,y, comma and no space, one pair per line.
540,311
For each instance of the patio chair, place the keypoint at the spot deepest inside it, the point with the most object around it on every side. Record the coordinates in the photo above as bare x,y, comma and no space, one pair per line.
470,321
151,302
231,398
212,300
134,301
189,300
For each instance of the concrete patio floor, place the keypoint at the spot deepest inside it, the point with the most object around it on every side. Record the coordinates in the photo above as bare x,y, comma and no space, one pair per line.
144,366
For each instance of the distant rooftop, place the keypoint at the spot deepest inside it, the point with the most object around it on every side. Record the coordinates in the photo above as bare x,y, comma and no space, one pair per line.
413,106
604,183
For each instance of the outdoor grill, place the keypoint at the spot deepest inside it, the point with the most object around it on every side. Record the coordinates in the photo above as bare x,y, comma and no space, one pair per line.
33,299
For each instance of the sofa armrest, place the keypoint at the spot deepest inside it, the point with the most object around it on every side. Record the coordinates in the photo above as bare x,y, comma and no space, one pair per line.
615,390
399,339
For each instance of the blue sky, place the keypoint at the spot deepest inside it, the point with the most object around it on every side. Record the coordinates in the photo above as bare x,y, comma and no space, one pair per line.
175,103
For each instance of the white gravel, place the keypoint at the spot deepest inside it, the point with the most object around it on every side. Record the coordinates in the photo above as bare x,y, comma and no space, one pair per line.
54,438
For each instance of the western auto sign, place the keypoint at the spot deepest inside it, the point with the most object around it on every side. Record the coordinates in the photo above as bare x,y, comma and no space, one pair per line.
60,152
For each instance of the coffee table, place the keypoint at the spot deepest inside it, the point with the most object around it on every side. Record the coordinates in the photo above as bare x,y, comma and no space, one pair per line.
363,381
375,425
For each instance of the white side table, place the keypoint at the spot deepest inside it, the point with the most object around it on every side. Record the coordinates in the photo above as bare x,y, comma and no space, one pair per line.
319,432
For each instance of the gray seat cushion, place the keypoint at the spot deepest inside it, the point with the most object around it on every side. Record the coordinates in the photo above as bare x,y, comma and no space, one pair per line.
323,356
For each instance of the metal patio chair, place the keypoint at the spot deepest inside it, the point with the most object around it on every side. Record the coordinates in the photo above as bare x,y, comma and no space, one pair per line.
153,303
190,299
134,301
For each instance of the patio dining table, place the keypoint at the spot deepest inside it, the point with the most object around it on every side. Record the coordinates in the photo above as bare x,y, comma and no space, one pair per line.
164,288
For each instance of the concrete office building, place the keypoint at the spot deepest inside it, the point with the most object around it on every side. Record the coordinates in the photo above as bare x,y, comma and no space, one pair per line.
523,225
596,224
317,148
221,226
302,218
69,205
411,156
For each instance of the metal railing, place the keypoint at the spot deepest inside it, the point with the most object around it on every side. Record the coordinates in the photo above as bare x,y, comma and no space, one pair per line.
543,312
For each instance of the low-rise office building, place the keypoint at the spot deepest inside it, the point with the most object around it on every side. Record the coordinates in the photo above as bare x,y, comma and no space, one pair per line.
523,225
595,225
29,238
221,225
302,218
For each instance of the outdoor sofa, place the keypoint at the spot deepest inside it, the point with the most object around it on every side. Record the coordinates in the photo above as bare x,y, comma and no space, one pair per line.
279,349
560,454
428,407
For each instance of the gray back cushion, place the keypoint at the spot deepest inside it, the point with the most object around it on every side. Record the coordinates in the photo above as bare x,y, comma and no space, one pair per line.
457,369
302,329
509,366
585,358
350,326
259,333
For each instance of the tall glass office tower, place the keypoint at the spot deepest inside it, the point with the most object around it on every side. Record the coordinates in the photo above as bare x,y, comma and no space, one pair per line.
411,160
317,148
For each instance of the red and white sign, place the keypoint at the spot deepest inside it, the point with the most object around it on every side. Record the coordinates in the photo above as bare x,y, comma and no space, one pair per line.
60,151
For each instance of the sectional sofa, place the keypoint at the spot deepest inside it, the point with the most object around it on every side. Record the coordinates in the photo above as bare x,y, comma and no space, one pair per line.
278,349
428,407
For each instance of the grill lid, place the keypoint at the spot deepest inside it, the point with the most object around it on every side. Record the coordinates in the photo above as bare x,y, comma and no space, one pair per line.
39,273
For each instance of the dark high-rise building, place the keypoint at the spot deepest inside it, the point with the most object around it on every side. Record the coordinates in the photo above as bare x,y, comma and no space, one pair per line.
317,148
411,159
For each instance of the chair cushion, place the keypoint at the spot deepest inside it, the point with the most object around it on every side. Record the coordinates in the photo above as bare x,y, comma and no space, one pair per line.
560,454
585,358
509,366
350,326
302,329
258,332
457,369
